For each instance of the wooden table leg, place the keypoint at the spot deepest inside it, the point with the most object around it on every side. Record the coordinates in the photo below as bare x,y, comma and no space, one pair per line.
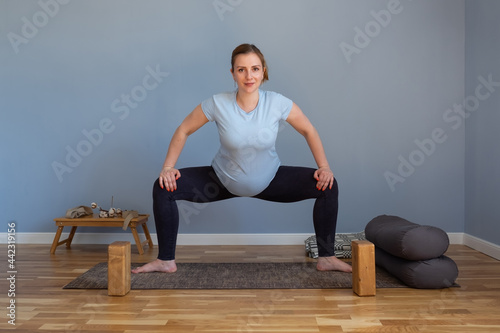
56,240
70,237
137,239
148,236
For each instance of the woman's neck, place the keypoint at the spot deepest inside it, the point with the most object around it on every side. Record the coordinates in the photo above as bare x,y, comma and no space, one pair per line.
247,101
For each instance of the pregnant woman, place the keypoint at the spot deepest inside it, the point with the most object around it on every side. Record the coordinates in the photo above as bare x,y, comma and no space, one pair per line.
246,164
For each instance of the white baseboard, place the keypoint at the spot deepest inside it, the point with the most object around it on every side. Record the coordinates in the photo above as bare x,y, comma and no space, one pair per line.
182,239
79,238
483,246
490,249
456,237
215,239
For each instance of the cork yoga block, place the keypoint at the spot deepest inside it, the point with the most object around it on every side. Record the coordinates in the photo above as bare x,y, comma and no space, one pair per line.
363,268
119,269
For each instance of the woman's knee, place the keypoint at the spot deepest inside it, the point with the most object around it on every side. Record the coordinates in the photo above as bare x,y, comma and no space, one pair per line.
157,190
156,184
334,191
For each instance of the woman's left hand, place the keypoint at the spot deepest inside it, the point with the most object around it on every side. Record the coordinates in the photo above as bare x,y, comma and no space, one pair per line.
324,176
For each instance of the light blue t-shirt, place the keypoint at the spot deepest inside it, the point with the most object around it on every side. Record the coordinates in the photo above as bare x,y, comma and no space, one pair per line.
247,160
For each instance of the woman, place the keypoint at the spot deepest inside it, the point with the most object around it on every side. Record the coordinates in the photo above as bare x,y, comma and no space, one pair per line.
246,163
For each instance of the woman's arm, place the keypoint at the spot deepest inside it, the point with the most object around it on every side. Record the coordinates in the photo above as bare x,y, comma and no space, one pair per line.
189,125
301,124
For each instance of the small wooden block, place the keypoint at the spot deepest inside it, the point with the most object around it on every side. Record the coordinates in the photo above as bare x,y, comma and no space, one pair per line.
119,269
363,268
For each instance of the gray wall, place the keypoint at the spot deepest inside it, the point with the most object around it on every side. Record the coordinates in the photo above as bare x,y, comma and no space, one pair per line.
377,78
482,208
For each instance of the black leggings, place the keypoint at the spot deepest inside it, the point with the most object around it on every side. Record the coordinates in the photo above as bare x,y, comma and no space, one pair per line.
201,185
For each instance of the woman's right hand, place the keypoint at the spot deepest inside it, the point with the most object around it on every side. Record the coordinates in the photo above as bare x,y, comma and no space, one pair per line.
168,177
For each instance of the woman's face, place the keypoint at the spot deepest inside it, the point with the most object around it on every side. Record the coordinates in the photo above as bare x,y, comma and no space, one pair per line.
248,72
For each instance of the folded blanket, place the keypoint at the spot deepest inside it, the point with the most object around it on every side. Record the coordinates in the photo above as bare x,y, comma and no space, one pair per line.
78,212
342,245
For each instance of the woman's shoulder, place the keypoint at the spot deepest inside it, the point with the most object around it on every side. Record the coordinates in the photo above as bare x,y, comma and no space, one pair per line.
273,95
224,95
219,99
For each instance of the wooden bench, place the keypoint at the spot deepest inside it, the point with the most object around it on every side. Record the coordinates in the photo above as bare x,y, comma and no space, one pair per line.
96,221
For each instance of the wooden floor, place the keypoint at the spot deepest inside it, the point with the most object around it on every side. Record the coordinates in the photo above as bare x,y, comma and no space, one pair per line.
42,304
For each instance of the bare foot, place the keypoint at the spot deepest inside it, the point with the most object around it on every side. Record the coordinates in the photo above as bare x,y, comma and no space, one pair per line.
164,266
333,264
